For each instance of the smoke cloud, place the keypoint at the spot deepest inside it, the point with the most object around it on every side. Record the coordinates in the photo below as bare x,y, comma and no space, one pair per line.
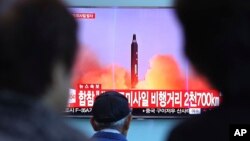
163,73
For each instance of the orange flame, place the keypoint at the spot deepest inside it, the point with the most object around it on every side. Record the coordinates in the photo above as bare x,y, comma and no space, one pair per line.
164,73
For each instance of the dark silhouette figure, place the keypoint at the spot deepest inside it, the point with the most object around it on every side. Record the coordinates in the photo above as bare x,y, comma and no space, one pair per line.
217,42
37,48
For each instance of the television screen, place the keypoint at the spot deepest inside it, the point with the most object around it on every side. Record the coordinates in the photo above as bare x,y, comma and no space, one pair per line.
139,53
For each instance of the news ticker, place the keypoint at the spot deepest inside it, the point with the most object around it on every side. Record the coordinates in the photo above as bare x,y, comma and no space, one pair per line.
85,94
143,112
239,132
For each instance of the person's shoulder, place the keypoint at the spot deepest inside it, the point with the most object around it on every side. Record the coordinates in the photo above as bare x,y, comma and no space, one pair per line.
55,127
198,129
69,133
213,125
58,128
107,136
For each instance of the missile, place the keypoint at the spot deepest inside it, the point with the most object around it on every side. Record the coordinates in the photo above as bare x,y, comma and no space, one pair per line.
134,62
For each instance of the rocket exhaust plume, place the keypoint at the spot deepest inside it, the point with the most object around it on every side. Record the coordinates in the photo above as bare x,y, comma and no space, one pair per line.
88,69
163,73
134,62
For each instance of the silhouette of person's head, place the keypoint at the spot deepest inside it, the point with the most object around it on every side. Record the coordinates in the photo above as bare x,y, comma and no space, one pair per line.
217,42
36,36
37,48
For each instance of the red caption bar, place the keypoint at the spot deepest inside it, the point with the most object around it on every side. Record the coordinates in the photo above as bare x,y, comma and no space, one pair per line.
85,94
84,15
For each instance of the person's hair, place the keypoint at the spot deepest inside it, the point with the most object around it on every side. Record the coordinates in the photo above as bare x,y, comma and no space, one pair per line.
118,125
217,40
34,35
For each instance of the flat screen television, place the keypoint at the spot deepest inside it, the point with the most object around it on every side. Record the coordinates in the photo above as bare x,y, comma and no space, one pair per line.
138,52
